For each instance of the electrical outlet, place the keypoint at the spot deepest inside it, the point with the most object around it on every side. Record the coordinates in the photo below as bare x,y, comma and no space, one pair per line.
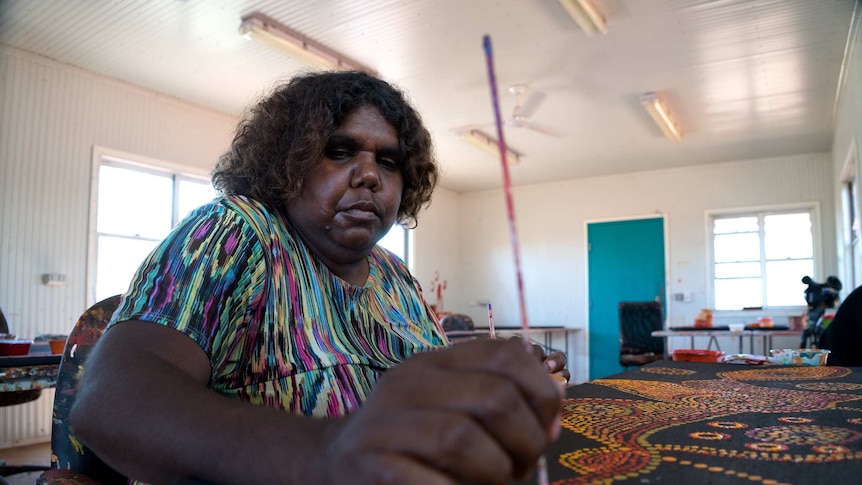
53,279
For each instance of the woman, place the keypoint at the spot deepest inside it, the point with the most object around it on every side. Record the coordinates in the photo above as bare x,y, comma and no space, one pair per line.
276,297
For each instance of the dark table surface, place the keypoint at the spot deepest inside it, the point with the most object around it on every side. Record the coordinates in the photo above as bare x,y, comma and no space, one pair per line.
29,360
32,372
696,423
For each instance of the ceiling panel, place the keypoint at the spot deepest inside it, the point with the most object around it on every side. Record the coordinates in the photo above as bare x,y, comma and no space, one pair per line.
745,78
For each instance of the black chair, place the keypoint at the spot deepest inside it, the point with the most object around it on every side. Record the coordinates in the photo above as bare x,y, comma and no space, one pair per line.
843,336
458,327
638,319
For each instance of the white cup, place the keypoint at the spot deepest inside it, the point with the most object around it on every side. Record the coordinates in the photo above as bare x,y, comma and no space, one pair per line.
736,327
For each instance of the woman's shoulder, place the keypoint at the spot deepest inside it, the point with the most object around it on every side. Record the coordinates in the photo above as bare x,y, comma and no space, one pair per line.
388,259
263,218
390,266
245,206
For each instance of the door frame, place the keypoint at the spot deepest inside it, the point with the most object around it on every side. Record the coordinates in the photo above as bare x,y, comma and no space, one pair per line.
667,301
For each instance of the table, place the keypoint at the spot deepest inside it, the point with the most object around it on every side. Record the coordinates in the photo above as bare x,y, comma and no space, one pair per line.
22,378
545,333
685,422
764,334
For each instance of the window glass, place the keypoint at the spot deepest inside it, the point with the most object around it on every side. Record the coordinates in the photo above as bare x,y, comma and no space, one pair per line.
735,224
744,275
118,259
737,270
134,202
136,207
788,236
737,247
736,294
784,285
191,195
396,241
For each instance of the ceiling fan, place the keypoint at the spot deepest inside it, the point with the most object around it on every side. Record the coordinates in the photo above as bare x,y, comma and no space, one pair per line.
525,106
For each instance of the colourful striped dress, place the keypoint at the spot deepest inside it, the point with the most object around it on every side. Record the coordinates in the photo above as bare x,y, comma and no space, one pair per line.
279,329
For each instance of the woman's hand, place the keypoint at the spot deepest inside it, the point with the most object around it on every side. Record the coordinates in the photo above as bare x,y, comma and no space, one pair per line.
479,412
555,362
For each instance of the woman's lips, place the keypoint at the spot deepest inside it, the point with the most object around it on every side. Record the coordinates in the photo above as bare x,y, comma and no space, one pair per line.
362,210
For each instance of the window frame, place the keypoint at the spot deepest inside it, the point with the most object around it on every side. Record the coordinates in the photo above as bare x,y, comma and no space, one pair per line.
812,207
143,164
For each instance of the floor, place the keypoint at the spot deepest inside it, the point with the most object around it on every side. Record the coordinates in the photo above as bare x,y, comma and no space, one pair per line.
39,454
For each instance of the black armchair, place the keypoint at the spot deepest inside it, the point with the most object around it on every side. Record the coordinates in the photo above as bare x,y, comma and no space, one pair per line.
638,319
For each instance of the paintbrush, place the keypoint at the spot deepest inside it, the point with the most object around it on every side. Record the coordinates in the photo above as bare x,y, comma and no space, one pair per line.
542,466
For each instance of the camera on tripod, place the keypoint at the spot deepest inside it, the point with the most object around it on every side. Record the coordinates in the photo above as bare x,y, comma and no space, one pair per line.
819,297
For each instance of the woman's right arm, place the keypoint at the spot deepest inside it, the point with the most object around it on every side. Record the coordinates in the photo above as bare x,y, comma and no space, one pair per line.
478,412
145,409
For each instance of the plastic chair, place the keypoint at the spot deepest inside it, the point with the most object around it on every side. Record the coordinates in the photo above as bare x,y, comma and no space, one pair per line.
638,319
72,463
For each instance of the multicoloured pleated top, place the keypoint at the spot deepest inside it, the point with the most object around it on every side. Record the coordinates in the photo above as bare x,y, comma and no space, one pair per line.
280,330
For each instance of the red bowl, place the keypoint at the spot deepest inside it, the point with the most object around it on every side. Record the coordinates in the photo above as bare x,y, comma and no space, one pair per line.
696,355
15,347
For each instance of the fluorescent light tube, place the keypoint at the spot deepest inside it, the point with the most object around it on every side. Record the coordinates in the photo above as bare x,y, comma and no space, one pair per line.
265,30
585,13
656,108
488,143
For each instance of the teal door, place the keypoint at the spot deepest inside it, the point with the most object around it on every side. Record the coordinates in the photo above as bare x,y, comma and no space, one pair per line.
626,262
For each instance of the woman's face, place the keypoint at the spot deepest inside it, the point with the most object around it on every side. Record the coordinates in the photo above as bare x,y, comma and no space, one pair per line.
351,198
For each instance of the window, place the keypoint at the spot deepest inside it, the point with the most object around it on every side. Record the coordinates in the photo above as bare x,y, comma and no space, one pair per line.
397,241
136,205
850,201
759,258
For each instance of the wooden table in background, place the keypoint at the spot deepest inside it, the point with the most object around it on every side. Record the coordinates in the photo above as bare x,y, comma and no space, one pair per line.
22,378
543,335
764,334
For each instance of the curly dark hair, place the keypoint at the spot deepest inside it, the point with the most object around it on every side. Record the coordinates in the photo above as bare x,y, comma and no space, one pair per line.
284,135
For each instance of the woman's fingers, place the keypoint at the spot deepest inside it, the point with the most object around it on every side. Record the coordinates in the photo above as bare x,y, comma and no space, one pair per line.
453,444
481,412
556,362
507,358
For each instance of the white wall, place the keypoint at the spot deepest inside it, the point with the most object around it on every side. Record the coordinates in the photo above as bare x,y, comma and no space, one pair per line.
437,246
848,138
51,116
551,224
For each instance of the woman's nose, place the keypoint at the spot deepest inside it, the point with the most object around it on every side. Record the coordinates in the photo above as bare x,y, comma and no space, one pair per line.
366,171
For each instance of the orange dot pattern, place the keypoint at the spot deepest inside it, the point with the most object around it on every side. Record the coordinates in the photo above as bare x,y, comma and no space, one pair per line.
727,424
667,371
622,430
795,419
829,386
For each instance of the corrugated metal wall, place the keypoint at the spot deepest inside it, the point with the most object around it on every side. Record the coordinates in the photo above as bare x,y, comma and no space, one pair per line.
51,116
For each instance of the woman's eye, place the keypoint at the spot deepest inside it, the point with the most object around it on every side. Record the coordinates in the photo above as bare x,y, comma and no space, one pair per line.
388,163
338,153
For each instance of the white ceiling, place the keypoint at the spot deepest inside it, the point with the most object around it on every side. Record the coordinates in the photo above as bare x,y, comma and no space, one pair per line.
745,78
